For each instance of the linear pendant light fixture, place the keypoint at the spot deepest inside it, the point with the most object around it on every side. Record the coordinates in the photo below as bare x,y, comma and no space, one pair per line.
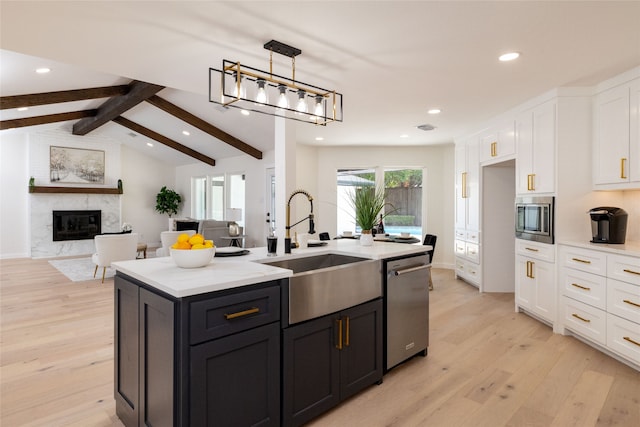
247,88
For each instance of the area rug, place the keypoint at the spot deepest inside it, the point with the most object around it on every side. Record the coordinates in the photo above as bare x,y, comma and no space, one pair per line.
80,269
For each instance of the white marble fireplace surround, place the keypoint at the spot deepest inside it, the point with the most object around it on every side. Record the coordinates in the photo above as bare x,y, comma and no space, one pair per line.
42,205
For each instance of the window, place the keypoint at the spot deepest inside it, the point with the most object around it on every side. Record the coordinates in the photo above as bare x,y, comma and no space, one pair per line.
403,189
211,195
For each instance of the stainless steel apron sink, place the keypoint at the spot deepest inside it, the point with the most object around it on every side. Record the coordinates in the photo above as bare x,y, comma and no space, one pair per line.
325,284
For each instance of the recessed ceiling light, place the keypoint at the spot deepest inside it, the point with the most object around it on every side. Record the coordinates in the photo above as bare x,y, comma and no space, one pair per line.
244,112
319,138
404,135
43,70
510,56
434,111
149,144
186,132
23,108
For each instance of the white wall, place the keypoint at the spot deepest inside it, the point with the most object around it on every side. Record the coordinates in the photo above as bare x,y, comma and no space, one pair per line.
438,180
15,239
142,178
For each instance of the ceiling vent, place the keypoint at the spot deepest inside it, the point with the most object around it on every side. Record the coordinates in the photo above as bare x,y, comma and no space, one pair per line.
426,127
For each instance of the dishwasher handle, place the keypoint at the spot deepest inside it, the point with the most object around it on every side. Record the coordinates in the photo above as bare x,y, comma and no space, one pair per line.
410,270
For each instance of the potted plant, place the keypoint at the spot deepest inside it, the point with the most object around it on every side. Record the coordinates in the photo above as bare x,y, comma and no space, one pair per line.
168,201
368,203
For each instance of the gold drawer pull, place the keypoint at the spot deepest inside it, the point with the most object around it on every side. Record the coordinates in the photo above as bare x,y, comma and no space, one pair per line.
631,302
581,260
494,149
339,324
346,334
533,249
531,182
581,318
252,310
622,174
631,271
631,341
581,287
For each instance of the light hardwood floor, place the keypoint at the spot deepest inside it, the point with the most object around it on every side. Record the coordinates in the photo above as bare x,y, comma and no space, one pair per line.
487,366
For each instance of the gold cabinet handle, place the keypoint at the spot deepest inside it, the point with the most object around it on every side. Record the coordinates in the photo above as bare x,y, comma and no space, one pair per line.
581,318
339,344
581,287
531,182
622,173
532,249
581,260
631,271
252,310
464,185
631,302
530,265
494,149
346,334
631,341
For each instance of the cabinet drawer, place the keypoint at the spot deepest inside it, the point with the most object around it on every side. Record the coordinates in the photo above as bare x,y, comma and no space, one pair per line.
218,317
535,250
473,236
623,337
588,288
473,251
461,248
584,319
461,234
584,260
623,299
624,268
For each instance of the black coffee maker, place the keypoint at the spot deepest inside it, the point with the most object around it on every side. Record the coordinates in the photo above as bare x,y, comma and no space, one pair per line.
608,224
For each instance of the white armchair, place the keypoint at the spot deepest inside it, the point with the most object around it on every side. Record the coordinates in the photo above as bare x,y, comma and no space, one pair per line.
168,238
113,247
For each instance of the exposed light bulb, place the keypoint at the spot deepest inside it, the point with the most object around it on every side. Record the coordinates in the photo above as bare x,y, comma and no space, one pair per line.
318,110
261,96
283,102
301,107
243,91
510,56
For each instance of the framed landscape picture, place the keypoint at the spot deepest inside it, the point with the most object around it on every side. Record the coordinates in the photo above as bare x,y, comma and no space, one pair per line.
76,165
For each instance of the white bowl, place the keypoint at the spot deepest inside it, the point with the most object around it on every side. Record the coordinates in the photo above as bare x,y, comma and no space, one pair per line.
405,234
187,258
347,233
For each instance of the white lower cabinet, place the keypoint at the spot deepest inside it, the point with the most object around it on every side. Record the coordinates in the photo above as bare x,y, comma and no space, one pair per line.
535,287
467,249
601,299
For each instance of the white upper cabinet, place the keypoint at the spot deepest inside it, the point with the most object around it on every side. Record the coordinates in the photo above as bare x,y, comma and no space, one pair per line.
498,144
467,185
616,148
535,136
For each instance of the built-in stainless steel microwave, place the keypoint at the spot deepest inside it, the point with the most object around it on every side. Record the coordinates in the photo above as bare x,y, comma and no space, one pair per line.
534,218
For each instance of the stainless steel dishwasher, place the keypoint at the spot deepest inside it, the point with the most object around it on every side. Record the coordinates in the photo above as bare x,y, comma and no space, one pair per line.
407,308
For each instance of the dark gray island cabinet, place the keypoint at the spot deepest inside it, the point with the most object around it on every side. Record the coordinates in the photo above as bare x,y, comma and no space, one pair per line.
203,360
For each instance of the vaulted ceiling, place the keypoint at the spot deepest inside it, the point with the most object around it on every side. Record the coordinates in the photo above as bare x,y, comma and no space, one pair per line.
392,61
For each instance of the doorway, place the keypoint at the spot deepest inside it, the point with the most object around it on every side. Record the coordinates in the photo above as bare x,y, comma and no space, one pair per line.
498,224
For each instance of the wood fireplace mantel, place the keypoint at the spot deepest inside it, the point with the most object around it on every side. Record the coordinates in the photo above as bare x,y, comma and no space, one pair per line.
74,190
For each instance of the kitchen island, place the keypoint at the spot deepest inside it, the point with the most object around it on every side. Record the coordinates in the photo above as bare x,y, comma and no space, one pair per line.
208,346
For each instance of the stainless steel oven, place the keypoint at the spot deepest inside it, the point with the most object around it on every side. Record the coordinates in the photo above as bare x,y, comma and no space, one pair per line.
535,218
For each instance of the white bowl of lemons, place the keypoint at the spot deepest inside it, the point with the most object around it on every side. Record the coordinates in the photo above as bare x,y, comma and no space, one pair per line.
192,251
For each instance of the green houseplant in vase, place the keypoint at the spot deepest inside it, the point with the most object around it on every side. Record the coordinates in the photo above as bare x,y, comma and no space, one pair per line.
168,202
368,204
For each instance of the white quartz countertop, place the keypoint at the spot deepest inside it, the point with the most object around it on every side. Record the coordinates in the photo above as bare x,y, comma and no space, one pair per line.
231,272
629,248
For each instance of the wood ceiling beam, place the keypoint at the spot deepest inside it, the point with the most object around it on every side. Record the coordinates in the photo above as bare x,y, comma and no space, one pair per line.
163,140
50,118
187,117
114,107
34,99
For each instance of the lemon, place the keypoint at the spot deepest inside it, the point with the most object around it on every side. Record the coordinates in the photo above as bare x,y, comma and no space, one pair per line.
196,239
184,237
182,245
198,246
208,243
